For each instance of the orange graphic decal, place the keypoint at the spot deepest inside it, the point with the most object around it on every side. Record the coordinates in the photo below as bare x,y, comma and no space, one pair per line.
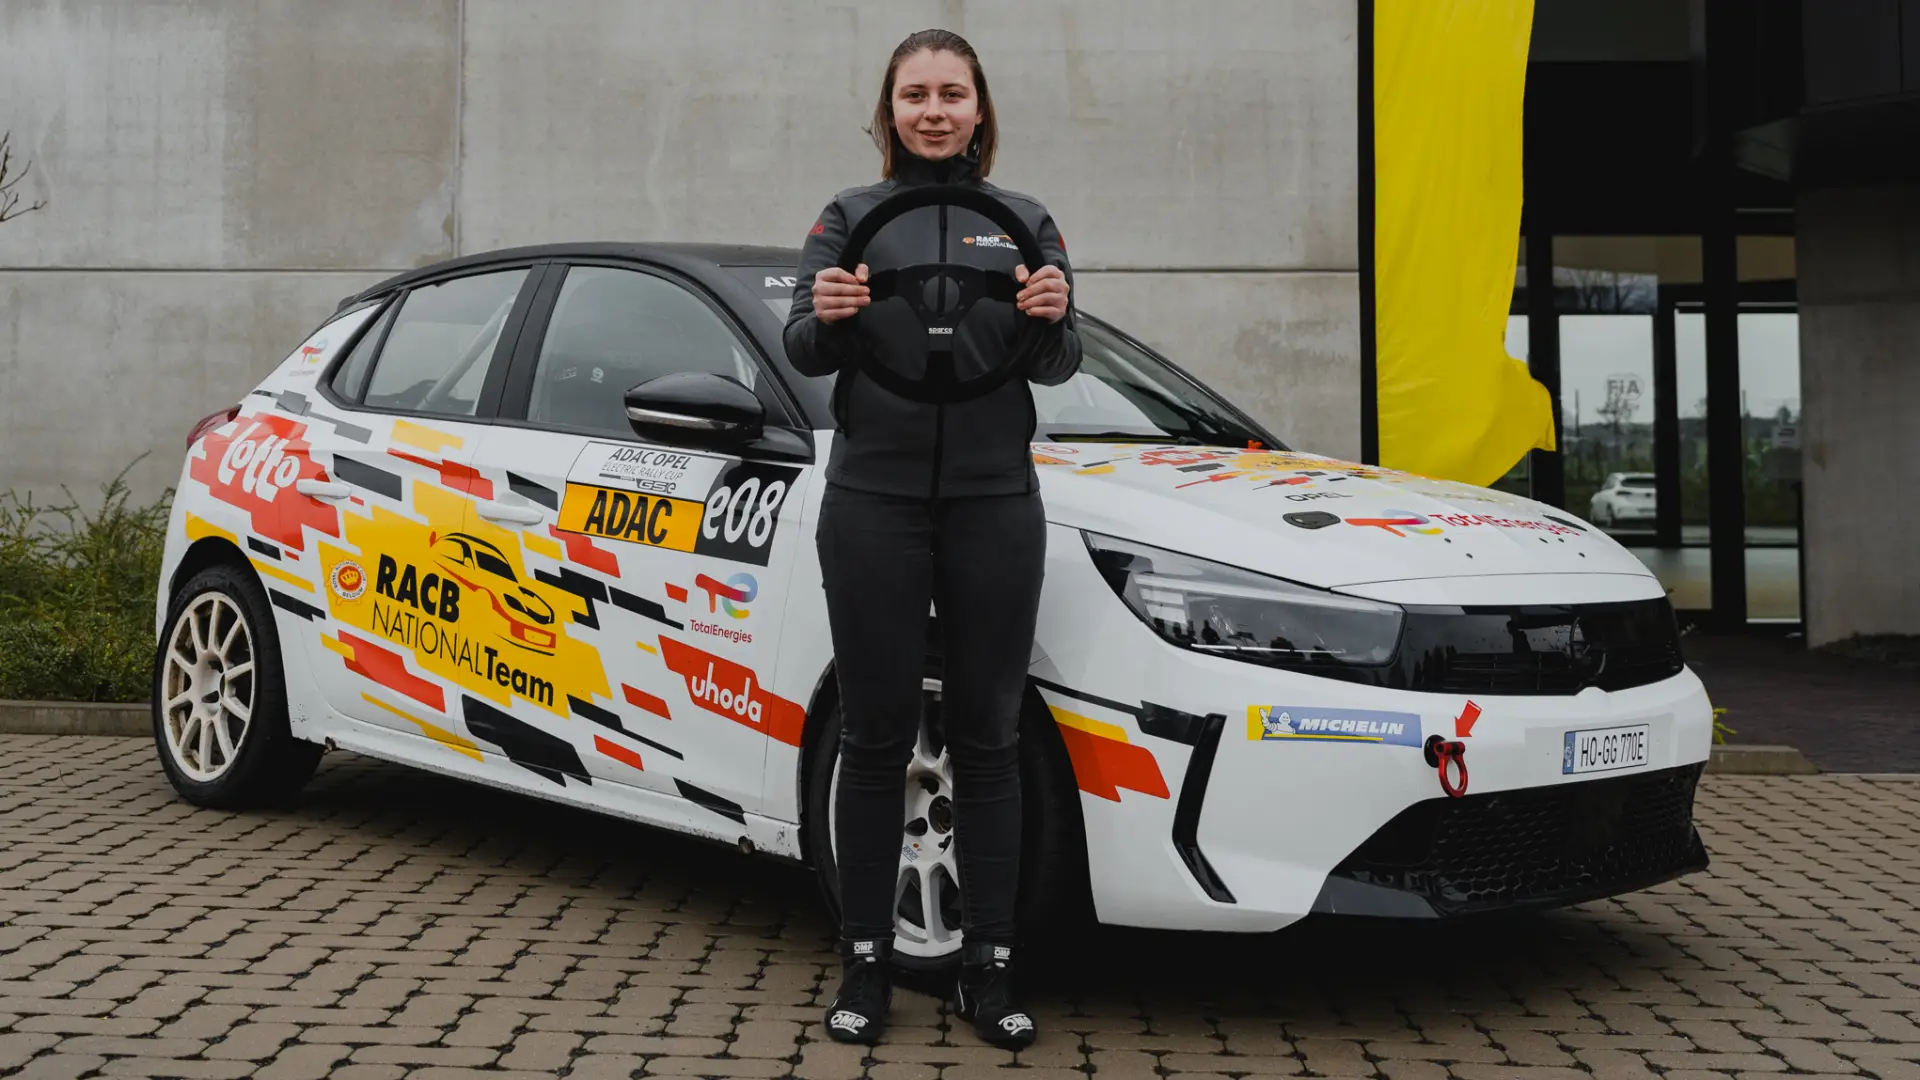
617,752
583,551
676,593
453,474
727,689
643,700
389,669
256,468
1104,761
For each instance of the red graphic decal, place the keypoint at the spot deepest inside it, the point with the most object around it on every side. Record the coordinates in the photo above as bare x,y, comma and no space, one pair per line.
256,469
819,229
389,669
1184,457
1214,479
1463,724
642,699
582,550
727,689
1103,766
617,752
716,589
308,352
676,593
453,474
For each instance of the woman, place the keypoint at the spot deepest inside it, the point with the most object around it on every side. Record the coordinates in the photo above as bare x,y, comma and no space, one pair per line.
931,502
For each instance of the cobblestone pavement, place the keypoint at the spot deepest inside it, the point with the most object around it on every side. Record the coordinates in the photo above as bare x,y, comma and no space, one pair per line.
395,923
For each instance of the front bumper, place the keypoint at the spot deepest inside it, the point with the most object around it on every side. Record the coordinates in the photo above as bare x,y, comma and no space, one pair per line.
1197,820
1528,848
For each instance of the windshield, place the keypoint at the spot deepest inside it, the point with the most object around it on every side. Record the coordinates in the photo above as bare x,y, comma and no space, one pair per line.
1122,392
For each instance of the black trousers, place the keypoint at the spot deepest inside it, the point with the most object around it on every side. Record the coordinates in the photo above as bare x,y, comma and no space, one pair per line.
980,561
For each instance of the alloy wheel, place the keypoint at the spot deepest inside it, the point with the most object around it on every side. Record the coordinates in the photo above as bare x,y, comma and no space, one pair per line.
208,686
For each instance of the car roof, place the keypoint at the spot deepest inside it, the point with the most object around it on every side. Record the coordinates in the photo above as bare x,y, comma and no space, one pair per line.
688,257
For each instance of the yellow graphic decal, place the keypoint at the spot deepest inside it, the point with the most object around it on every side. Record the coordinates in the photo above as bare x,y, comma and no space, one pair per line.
457,595
540,545
1088,724
425,438
199,528
273,571
334,644
644,647
440,735
637,518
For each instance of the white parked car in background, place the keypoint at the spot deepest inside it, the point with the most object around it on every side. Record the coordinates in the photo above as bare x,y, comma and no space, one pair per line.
543,519
1626,500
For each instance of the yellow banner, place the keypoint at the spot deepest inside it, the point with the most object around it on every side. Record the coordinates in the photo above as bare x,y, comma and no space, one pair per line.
1449,84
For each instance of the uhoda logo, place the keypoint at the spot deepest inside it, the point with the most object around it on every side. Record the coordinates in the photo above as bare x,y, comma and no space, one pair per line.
732,690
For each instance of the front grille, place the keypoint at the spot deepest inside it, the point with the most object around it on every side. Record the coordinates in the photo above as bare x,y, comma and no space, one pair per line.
1556,672
1547,649
1559,844
1543,649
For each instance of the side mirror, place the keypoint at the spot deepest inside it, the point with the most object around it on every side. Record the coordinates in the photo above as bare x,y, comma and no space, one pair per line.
695,408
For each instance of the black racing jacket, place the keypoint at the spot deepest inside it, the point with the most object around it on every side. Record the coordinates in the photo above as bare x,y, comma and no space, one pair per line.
885,443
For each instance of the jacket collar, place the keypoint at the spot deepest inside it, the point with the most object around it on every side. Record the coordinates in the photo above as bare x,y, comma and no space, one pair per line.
911,169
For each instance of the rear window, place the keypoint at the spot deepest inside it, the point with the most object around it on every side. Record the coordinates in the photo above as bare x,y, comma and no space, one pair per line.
1637,482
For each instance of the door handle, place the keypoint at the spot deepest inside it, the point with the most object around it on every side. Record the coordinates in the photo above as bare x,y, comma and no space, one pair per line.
502,514
323,489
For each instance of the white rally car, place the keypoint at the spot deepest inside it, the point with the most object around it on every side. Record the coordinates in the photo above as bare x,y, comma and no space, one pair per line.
543,519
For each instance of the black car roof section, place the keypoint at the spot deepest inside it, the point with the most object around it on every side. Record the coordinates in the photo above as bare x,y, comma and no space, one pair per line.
690,257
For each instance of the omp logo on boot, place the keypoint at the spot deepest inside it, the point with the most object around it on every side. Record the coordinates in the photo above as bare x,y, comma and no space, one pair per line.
463,603
255,469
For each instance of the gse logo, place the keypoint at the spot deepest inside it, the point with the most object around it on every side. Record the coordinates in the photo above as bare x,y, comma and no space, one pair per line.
747,510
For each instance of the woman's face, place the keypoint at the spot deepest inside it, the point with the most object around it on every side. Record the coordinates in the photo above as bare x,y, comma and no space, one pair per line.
934,106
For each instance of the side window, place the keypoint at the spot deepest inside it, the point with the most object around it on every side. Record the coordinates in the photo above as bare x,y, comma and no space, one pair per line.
614,329
437,354
350,378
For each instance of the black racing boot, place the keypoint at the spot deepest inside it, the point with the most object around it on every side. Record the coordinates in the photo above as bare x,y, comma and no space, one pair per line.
984,996
858,1013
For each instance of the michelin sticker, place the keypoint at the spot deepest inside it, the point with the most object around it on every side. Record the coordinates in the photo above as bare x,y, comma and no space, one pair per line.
1278,723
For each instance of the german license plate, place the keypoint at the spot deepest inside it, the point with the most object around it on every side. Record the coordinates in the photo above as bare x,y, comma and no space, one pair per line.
1604,749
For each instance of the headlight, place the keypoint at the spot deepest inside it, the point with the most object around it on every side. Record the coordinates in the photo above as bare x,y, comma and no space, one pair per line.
1225,611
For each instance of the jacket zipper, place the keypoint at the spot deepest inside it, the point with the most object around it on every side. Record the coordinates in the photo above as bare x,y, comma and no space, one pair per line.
940,410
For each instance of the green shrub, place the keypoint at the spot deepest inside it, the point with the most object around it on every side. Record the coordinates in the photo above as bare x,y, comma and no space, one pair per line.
77,595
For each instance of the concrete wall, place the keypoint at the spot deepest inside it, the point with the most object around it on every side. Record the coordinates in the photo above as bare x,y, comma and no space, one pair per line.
1859,264
219,174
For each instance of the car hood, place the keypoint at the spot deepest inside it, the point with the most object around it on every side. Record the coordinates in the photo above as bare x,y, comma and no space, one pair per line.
1315,520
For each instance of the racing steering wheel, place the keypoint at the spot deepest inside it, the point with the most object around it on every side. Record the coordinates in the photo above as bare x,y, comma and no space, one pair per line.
939,386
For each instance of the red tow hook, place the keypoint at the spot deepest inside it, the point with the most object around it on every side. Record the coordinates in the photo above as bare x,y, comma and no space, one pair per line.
1444,752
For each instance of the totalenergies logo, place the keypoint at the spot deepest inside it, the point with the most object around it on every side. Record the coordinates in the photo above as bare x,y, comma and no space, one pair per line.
733,595
1396,520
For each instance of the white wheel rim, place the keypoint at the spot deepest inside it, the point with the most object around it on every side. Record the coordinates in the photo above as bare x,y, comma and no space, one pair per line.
207,686
926,891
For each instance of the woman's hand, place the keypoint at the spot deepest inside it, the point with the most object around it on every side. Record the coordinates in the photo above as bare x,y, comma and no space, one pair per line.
1045,295
838,294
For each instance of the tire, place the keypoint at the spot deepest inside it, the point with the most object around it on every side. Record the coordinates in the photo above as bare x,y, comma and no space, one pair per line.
221,620
1053,898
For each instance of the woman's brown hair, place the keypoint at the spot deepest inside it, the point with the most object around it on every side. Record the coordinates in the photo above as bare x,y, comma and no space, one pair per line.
986,136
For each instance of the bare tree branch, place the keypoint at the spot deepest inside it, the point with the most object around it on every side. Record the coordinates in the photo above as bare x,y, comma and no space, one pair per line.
10,199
